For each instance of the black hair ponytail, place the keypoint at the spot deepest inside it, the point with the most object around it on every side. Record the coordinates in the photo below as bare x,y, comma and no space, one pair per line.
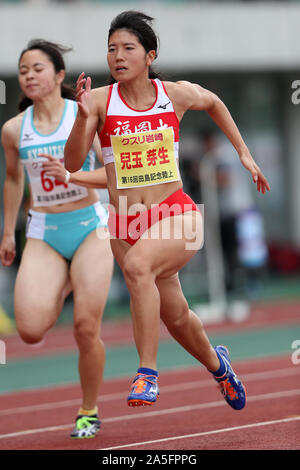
55,53
140,25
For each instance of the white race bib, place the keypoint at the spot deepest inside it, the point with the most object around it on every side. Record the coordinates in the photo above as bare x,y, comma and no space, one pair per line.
46,190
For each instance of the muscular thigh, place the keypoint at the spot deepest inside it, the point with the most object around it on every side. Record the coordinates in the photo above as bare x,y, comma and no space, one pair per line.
119,250
40,283
91,273
168,245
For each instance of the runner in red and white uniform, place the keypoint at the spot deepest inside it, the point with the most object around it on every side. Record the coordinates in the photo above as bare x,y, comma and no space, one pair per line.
148,156
152,222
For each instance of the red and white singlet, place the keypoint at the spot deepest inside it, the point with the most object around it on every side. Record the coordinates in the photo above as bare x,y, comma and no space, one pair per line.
143,145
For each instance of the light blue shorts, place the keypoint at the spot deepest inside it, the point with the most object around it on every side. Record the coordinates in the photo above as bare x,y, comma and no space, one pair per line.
65,231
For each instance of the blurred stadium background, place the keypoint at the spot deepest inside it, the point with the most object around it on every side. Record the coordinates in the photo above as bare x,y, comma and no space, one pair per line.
247,52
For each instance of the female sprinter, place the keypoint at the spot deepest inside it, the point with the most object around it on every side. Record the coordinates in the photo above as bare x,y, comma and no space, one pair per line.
137,119
62,251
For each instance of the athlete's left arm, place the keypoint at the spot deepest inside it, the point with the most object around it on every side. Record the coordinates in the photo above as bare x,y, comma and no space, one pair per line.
199,98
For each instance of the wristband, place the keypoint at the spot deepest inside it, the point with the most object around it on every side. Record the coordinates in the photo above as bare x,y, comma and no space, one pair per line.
68,176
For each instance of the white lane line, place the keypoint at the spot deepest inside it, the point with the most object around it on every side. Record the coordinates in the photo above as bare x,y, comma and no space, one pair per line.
170,372
279,373
150,414
207,433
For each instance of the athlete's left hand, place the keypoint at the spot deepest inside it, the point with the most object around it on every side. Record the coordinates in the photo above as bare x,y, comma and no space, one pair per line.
257,176
53,167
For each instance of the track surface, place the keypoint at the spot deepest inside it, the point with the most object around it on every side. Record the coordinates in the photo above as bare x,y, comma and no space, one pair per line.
190,414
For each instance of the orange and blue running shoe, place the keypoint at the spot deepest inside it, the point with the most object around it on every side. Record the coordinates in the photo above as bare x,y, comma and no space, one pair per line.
231,387
144,390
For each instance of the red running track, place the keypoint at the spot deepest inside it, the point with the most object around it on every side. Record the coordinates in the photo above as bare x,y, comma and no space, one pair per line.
60,340
190,414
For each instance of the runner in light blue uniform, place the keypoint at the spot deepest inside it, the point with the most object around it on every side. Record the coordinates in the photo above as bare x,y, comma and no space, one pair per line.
67,247
47,192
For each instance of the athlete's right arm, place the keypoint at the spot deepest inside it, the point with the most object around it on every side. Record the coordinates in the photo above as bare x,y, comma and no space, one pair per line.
13,189
85,126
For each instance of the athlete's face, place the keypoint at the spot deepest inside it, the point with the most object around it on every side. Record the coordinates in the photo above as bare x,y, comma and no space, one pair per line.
126,57
37,76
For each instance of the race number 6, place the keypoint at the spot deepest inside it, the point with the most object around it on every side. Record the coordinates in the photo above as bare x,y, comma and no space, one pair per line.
47,183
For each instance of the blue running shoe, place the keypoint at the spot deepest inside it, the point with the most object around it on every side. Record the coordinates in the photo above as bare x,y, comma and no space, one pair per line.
144,390
231,387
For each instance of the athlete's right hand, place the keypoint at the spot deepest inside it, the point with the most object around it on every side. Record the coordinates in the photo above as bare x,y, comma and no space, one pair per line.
7,250
83,95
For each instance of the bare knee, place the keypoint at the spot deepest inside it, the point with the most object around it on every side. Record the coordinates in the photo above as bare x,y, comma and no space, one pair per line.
33,322
137,272
86,332
31,335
